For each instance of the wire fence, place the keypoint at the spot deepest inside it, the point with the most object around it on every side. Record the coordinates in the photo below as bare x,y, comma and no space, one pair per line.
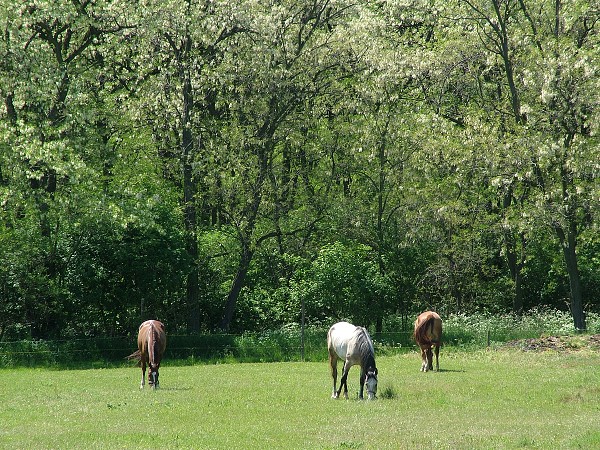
269,346
248,347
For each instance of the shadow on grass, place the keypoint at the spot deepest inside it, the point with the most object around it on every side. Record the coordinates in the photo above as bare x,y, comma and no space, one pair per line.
452,370
175,389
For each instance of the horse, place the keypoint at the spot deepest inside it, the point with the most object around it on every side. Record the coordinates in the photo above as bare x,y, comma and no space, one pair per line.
354,346
152,342
428,335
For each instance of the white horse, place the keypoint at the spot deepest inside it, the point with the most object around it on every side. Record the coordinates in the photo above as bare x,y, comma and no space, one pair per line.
354,346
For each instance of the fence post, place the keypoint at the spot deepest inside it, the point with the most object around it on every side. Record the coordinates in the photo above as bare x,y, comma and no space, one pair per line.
302,333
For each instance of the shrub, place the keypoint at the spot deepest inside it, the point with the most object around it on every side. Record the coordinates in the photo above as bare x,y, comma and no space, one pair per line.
285,344
461,329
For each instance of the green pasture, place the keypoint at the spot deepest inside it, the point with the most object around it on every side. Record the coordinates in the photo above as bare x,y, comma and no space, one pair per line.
480,399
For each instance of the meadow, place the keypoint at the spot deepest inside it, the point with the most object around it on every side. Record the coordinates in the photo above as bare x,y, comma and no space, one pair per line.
481,399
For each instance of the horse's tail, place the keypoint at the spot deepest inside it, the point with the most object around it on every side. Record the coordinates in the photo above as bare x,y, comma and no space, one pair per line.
155,344
137,355
420,333
434,332
425,332
331,349
153,348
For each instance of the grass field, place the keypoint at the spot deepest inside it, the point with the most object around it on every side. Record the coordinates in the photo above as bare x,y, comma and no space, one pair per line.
480,399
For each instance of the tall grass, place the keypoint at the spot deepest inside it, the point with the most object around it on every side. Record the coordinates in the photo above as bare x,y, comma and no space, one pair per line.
475,330
268,346
286,344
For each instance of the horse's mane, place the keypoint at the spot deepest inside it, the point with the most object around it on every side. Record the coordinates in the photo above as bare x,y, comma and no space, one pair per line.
154,354
365,347
153,344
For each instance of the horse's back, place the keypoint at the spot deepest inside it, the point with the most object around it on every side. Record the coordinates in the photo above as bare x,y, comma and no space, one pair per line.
144,330
338,336
148,323
427,315
425,334
343,337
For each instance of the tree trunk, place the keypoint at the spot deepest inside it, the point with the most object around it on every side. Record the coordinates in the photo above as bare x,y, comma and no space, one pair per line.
518,299
515,265
568,237
500,24
189,203
191,244
381,204
568,241
236,287
246,233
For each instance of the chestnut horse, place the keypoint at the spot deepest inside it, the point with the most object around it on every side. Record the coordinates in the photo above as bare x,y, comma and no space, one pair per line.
428,335
152,342
353,345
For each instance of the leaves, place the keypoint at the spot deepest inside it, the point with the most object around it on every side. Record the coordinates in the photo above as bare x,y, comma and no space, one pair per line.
451,147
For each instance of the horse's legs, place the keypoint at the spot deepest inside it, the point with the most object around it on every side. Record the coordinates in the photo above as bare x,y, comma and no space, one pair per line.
151,376
333,366
423,359
362,383
143,361
429,359
344,380
437,358
155,377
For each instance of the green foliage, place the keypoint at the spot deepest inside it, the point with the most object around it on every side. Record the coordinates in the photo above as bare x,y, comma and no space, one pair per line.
461,329
367,160
342,283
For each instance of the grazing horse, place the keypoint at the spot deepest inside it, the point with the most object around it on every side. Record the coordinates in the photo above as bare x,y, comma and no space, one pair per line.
428,335
353,345
152,342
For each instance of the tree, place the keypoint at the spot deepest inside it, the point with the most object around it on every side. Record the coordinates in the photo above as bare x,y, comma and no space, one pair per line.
526,47
182,46
53,139
295,58
341,283
567,117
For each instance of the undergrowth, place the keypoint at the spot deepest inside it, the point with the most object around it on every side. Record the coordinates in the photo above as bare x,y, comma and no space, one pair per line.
286,344
487,329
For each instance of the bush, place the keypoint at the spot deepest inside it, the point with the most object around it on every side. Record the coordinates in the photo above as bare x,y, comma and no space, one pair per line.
285,344
461,329
343,282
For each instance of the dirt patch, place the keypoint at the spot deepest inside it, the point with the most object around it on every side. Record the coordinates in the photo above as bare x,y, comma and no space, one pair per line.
557,343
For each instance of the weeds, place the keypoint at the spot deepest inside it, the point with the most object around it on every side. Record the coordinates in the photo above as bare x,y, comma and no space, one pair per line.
286,344
387,393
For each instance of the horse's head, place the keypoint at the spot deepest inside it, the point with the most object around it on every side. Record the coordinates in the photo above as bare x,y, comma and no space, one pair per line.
371,383
153,375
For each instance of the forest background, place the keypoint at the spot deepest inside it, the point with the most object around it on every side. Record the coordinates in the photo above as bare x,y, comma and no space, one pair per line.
248,165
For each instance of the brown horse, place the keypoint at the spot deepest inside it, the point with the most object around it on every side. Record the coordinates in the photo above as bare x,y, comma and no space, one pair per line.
152,342
428,335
